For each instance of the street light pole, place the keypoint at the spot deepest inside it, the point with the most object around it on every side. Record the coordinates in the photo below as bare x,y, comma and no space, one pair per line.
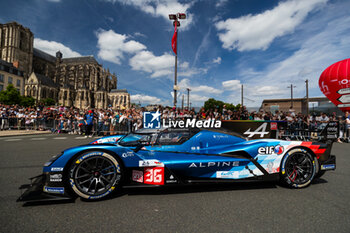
175,79
176,24
188,98
242,95
182,105
307,97
291,94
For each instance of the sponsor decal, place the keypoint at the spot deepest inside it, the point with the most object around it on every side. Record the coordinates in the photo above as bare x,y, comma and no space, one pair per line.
106,140
151,120
227,174
171,180
215,164
57,169
327,166
154,175
193,123
103,194
150,163
87,156
56,178
268,150
261,130
127,154
273,125
59,190
137,176
279,149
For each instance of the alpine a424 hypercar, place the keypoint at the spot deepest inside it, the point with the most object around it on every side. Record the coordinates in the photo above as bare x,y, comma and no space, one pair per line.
176,157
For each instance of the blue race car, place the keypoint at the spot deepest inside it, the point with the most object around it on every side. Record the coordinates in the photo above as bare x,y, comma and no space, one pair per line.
176,157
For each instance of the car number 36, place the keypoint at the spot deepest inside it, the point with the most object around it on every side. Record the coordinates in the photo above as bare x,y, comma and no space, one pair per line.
154,175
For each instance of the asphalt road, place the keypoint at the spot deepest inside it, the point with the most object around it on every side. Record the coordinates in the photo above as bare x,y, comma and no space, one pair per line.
250,207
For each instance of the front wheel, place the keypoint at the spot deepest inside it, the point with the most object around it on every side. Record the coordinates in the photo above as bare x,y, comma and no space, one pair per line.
298,168
95,174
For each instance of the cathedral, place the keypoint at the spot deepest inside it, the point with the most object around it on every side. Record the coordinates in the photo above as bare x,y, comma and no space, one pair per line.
77,81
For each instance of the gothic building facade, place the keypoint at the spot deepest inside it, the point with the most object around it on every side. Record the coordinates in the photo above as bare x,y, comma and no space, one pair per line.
78,81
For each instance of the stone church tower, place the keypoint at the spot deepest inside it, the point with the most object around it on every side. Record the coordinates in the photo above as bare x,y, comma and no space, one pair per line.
73,82
16,46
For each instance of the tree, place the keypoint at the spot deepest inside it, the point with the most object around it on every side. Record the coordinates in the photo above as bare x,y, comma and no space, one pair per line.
213,103
10,95
49,102
27,101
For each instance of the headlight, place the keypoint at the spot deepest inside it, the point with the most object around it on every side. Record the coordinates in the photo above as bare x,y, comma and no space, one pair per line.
48,163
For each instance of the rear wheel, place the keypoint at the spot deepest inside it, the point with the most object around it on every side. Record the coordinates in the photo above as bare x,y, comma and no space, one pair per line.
95,174
298,168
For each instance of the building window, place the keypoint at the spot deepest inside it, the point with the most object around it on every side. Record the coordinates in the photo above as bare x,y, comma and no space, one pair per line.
1,78
18,90
9,80
18,83
1,87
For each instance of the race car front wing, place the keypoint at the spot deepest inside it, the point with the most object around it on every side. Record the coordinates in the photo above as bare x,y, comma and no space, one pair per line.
34,192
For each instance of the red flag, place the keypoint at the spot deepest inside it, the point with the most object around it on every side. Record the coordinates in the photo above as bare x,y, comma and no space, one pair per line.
174,40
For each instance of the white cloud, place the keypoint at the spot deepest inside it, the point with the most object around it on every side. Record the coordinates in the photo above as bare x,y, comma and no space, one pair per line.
54,0
198,98
144,99
253,32
139,34
161,8
51,47
266,91
232,85
317,51
203,89
221,3
217,60
112,46
156,65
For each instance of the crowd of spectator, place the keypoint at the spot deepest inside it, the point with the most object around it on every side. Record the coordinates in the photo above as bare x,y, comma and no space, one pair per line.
109,121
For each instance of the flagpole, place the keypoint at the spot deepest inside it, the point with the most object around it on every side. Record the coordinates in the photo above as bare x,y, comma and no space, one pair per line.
176,24
175,80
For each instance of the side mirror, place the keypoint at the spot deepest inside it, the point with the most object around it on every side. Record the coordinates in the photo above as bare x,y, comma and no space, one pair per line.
138,147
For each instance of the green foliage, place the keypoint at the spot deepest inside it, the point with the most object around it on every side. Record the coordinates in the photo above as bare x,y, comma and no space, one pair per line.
10,95
49,102
27,101
213,103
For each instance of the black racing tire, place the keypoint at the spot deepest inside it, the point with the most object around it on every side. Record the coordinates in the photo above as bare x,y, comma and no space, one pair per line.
94,175
298,168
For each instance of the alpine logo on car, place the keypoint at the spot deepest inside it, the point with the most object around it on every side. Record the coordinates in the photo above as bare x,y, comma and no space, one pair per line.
261,130
215,164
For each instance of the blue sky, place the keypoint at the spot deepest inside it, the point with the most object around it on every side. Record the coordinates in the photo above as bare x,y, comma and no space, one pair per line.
265,45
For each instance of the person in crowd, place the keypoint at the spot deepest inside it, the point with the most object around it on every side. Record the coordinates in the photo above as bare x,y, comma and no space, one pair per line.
89,122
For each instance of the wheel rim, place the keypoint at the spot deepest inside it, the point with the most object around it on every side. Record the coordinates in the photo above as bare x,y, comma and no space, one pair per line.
299,168
95,176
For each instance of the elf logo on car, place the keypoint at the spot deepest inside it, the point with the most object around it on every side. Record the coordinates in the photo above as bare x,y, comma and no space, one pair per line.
261,130
154,175
266,150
